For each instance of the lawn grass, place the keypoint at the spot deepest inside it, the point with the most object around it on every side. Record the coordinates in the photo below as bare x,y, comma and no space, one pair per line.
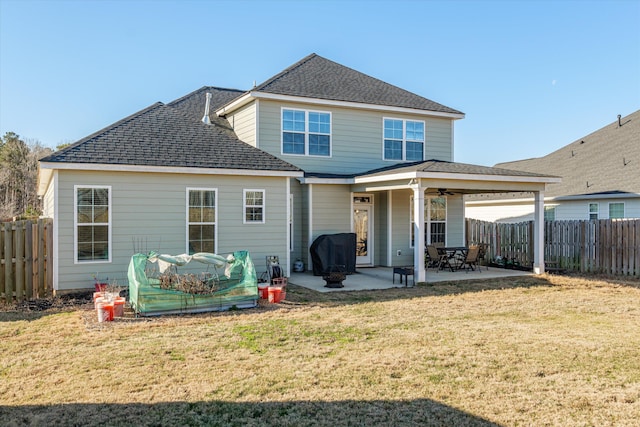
551,350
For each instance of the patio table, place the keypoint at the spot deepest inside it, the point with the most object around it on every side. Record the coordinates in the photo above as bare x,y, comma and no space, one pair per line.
451,254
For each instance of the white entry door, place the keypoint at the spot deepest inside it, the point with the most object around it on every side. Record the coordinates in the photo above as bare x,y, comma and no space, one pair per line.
362,226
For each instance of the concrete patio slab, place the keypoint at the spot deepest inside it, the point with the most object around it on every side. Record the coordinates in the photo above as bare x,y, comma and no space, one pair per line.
382,278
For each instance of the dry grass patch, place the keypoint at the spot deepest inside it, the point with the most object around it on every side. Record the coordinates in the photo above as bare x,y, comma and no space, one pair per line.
521,351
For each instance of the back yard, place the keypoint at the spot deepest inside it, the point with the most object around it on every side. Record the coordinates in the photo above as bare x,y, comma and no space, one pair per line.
538,351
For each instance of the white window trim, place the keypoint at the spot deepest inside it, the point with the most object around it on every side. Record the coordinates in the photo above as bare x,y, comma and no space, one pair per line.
549,208
306,133
76,224
589,210
427,214
624,208
404,139
215,219
245,206
427,217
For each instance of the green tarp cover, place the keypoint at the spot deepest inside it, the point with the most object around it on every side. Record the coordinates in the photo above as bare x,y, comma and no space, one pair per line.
232,279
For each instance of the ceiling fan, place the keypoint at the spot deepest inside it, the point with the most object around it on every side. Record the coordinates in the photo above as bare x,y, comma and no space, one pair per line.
443,191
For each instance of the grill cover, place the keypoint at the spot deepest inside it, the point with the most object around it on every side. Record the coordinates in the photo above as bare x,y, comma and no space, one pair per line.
331,250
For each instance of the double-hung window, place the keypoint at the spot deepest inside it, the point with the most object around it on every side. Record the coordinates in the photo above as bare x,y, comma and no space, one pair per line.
594,210
306,133
92,223
435,220
616,210
549,213
201,220
403,140
253,206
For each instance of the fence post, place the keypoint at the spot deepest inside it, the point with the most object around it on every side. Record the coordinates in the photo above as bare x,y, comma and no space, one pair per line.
41,278
8,263
28,261
19,269
49,256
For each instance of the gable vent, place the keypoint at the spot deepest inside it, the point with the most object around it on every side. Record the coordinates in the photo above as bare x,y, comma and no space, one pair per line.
206,119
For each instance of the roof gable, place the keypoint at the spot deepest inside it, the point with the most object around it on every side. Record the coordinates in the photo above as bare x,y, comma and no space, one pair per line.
605,161
320,78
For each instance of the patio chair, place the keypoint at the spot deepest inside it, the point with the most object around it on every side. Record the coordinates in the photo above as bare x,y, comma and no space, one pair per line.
470,261
438,260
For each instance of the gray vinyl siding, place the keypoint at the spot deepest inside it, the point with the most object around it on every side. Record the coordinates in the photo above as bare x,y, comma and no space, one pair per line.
455,221
381,225
149,213
401,231
579,209
356,138
331,209
299,239
243,123
565,210
304,225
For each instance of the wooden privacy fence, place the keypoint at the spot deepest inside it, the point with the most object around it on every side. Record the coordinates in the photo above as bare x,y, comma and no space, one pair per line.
597,246
26,260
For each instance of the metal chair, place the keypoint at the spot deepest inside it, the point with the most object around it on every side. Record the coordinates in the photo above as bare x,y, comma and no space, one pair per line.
438,260
471,259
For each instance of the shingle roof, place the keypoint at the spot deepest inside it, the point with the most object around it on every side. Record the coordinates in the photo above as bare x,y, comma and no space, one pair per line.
317,77
434,166
440,166
172,135
605,161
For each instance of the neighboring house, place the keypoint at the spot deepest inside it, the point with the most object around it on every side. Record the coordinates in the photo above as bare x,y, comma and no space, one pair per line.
317,149
600,179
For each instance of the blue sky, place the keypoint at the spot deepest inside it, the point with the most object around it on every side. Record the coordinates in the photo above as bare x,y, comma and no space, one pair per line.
531,76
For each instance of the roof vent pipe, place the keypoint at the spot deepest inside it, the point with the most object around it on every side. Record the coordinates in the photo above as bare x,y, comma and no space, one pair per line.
206,119
619,117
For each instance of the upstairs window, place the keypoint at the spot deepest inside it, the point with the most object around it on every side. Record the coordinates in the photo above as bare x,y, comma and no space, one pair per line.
403,140
306,133
616,210
92,223
201,220
594,210
253,206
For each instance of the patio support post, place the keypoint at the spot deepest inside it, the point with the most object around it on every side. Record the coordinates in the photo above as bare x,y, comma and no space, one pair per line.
420,273
538,233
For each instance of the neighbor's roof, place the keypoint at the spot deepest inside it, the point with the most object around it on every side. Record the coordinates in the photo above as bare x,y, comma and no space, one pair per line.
172,135
606,161
319,78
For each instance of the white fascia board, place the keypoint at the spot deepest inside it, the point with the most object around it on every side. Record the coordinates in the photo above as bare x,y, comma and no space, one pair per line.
167,169
456,177
329,102
522,201
316,180
239,102
386,177
480,177
44,177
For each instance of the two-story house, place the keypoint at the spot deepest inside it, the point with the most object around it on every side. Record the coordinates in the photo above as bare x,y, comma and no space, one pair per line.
317,149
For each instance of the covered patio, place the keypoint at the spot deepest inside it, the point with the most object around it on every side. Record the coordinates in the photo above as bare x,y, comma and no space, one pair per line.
375,278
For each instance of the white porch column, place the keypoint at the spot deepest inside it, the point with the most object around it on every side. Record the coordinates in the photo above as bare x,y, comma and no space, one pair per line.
538,232
419,271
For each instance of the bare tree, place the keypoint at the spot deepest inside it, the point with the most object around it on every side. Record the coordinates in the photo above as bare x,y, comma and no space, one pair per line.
18,176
